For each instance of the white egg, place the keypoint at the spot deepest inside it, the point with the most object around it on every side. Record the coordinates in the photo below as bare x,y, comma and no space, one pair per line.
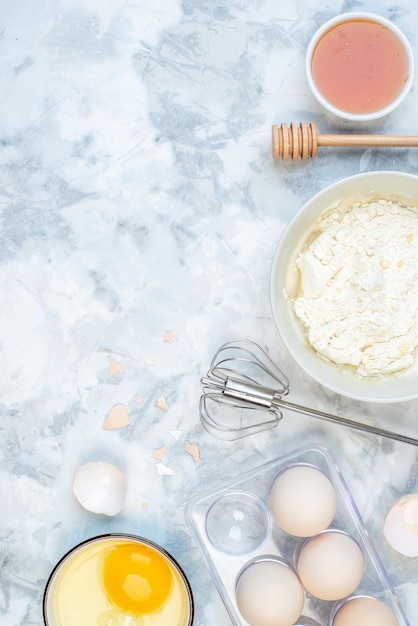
269,593
100,488
303,500
364,611
331,565
401,525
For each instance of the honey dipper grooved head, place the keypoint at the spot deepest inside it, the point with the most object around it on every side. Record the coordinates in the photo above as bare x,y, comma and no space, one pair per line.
294,141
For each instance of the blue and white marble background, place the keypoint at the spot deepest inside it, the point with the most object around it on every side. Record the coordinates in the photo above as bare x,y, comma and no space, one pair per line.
140,208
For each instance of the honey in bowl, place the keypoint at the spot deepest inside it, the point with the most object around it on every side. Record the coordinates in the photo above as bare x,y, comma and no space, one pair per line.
360,65
115,579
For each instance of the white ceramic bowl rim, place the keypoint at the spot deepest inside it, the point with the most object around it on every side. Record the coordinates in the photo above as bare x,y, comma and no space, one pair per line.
398,387
345,17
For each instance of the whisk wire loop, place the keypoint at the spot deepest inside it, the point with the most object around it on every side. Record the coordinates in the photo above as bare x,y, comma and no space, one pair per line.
241,391
246,360
244,385
244,422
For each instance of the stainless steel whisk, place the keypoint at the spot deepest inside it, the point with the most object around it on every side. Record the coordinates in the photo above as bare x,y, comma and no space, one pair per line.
243,394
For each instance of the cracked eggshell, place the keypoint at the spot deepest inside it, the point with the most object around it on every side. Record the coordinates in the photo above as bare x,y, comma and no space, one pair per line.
100,488
401,525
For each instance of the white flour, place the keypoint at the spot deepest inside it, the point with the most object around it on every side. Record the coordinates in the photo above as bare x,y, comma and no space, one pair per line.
359,287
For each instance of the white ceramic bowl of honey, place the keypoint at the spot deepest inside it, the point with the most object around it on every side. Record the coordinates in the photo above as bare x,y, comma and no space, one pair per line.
117,578
296,270
359,66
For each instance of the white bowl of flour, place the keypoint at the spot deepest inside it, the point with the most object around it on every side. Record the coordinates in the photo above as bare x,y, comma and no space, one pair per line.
344,287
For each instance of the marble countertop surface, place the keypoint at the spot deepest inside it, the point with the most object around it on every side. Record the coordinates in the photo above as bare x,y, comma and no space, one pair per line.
140,209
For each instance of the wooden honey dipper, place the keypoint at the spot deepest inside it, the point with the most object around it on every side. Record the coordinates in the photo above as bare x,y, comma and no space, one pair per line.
303,141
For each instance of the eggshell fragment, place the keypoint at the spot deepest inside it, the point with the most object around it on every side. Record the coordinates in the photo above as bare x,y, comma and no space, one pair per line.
164,470
161,403
100,488
193,450
114,367
171,335
117,418
174,433
160,453
401,525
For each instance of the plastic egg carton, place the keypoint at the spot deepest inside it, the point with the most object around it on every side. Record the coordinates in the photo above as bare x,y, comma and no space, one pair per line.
233,525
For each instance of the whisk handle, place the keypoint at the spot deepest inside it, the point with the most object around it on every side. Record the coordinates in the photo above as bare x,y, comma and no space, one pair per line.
347,422
248,391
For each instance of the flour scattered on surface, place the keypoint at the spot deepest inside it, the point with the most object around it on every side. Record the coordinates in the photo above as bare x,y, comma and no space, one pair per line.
359,287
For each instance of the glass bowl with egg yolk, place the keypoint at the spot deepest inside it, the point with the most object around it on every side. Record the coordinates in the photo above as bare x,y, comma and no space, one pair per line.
118,579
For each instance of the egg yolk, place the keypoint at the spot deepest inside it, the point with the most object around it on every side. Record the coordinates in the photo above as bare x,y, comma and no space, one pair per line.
136,578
